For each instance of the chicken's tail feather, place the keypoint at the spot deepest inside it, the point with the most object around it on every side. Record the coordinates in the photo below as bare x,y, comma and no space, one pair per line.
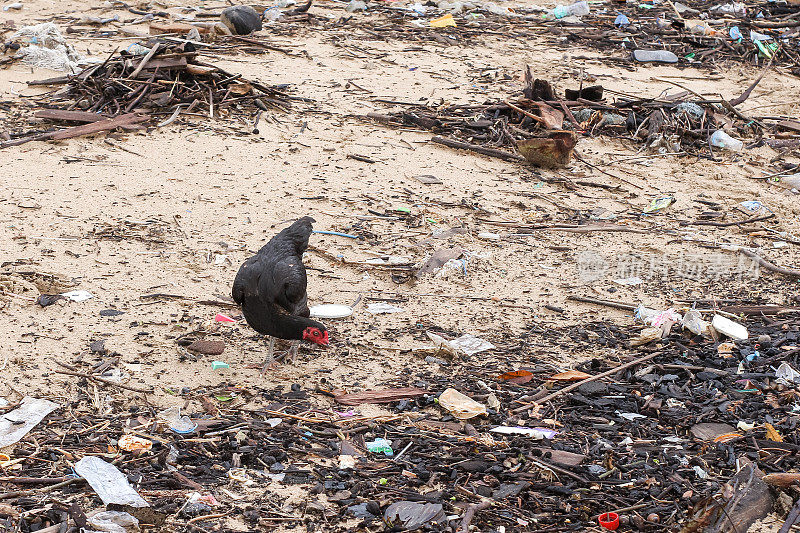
299,232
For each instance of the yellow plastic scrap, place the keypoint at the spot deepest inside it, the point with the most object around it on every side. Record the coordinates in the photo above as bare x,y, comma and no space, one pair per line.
443,22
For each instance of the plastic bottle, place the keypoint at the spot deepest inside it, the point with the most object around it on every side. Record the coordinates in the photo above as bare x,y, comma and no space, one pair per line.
720,139
577,9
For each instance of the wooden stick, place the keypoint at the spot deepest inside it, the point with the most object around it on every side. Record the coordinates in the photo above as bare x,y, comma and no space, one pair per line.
770,266
587,380
607,303
470,514
540,120
728,224
144,61
103,380
491,152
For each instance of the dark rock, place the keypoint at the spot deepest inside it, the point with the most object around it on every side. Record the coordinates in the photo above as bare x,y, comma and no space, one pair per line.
241,20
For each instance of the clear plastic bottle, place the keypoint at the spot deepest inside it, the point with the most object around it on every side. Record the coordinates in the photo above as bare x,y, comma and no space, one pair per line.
720,139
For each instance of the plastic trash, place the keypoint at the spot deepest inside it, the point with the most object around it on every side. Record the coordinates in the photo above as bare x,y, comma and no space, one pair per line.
131,443
578,9
17,423
735,33
693,321
786,374
418,8
466,344
535,433
356,5
621,20
657,204
219,365
733,8
470,345
729,328
609,521
110,484
88,19
792,181
347,462
14,6
699,27
113,522
205,499
77,296
658,319
331,311
691,109
46,48
461,406
223,318
495,9
754,206
443,22
745,426
646,335
720,139
489,236
654,56
411,516
380,446
382,308
636,280
756,36
177,423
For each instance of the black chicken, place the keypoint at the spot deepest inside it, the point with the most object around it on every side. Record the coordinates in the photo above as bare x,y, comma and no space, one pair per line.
271,289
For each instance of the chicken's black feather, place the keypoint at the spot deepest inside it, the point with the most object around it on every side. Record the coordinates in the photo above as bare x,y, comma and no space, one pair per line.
271,286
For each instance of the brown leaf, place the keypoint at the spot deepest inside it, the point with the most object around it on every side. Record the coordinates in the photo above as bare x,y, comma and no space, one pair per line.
772,433
570,375
553,118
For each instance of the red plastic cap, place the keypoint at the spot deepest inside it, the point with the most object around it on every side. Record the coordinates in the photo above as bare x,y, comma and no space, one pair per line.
609,520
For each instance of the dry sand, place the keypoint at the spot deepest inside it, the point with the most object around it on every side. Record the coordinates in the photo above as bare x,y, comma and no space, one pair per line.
182,196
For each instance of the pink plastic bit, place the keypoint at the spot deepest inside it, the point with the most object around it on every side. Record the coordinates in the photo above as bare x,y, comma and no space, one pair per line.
223,318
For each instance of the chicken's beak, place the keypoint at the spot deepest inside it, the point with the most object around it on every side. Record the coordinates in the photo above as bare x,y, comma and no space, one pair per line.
325,341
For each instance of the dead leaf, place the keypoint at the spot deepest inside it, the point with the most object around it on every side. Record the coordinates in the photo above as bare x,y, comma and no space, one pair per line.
553,118
570,375
772,433
516,376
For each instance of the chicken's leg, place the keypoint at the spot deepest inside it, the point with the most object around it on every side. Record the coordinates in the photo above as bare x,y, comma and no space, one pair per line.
270,352
293,351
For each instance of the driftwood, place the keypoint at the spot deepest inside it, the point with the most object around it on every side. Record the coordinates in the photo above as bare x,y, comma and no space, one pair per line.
86,129
770,266
491,152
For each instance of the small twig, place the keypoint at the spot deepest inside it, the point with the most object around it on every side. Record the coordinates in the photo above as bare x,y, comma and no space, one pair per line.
144,61
607,303
769,266
470,514
587,380
477,148
101,380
